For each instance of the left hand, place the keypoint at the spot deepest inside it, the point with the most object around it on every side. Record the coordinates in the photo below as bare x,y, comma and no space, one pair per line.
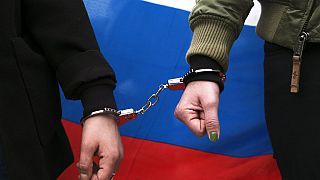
198,109
100,137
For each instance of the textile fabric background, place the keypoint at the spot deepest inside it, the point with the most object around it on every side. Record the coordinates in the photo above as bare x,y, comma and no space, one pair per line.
146,44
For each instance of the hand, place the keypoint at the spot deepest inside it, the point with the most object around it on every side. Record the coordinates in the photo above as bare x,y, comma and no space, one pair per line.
100,137
198,109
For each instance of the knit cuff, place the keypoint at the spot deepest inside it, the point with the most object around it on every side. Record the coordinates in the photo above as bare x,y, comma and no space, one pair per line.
212,37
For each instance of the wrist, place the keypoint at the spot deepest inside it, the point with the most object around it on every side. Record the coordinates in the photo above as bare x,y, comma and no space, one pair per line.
109,112
198,62
212,75
204,62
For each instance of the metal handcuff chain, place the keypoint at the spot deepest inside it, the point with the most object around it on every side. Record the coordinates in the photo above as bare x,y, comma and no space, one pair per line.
152,100
172,84
131,114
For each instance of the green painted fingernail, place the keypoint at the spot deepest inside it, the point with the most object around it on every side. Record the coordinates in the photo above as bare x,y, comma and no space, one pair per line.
213,136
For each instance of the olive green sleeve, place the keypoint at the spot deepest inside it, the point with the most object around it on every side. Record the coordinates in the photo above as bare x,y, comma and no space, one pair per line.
216,24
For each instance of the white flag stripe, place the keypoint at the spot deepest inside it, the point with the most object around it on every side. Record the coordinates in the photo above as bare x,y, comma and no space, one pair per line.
253,18
187,5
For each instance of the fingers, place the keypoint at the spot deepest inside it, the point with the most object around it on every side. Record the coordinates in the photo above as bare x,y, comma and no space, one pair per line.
198,109
192,119
212,122
190,112
108,166
210,108
109,162
101,138
85,164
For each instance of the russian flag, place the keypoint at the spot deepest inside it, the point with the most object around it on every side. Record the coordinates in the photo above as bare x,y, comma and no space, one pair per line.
146,43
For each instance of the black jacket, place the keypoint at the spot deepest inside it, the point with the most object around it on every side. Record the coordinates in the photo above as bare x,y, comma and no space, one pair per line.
43,43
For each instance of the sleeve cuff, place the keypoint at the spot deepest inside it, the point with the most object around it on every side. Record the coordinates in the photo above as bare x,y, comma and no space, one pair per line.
212,37
203,62
97,97
83,69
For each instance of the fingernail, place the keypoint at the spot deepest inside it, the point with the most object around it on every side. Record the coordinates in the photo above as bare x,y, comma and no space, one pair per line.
213,136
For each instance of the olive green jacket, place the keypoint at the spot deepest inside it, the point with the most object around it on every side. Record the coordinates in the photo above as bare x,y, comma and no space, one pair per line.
217,24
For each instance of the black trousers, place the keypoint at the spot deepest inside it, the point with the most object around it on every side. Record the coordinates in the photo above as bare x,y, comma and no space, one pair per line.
293,120
3,169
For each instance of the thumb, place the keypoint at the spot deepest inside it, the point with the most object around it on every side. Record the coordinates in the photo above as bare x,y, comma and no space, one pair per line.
88,148
211,120
212,125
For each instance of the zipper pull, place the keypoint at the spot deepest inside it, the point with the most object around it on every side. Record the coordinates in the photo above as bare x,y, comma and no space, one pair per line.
296,62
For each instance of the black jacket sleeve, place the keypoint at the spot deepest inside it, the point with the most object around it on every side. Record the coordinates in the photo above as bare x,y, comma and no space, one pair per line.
62,30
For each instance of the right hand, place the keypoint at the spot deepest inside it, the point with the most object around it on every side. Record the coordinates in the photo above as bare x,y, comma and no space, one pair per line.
198,109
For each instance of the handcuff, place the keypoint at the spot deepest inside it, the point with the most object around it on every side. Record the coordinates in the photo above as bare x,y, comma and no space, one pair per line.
126,115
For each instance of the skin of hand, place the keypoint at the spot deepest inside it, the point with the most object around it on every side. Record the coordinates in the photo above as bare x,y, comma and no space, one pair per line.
198,109
100,137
